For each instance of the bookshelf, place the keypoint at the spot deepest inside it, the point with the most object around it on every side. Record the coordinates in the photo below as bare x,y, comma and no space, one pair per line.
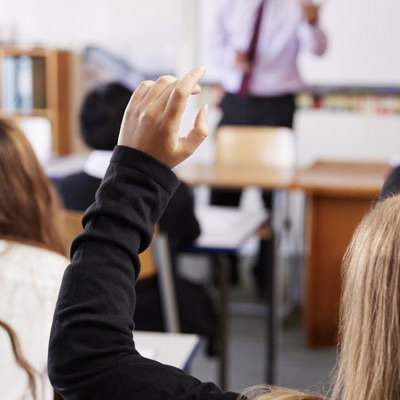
35,82
357,99
347,99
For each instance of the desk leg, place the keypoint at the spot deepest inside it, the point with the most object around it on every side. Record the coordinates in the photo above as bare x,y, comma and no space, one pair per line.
273,300
224,297
272,323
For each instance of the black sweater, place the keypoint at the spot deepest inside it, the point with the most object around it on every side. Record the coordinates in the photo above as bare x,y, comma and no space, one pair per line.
178,220
92,354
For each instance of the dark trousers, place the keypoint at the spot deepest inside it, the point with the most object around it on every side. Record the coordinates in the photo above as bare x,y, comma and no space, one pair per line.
259,111
264,111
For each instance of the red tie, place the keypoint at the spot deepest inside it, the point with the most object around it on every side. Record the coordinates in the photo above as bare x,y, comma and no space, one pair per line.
251,53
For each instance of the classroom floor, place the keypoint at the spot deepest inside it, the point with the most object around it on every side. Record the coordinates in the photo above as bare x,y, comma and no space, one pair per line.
298,367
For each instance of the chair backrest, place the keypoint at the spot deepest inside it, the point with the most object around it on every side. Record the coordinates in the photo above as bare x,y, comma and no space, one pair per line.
255,145
72,227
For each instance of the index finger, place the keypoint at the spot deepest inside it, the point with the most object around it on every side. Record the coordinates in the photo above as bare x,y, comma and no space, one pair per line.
176,104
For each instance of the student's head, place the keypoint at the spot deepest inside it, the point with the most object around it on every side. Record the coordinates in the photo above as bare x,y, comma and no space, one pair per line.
101,115
263,392
29,207
368,367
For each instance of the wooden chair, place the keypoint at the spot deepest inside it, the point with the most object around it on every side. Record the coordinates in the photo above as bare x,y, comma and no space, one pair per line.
255,145
72,227
252,146
155,258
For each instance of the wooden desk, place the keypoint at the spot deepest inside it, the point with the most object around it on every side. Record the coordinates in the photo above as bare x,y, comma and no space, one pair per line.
339,195
237,177
234,177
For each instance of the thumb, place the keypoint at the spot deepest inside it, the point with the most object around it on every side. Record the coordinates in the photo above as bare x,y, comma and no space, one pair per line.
197,135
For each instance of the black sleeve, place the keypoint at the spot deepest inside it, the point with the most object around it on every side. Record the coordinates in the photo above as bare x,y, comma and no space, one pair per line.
92,354
391,186
179,220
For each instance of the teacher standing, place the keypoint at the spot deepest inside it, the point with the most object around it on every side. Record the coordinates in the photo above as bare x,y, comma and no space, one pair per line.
256,44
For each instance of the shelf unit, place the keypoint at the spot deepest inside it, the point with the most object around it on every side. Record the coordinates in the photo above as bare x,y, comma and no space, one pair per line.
364,100
56,97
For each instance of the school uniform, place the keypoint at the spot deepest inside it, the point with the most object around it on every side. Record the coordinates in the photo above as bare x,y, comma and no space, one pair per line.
92,354
180,224
178,220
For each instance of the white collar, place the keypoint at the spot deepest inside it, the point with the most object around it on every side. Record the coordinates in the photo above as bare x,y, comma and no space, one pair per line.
97,163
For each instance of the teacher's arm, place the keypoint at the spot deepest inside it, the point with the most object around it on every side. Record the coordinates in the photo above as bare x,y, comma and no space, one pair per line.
311,35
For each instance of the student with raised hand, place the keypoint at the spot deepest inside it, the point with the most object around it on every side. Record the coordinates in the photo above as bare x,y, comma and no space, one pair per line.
100,121
92,354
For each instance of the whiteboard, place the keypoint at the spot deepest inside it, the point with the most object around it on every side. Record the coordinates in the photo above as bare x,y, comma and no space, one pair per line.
364,46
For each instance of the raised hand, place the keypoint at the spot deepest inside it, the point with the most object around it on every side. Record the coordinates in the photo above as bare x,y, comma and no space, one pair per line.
153,117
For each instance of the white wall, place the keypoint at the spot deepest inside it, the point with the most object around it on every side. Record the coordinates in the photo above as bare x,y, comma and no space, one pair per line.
347,136
149,33
363,43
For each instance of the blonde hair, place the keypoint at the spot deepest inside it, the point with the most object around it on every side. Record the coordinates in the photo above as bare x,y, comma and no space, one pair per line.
263,392
368,366
369,362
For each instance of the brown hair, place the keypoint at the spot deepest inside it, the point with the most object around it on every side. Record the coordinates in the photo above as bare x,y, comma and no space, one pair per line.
21,360
29,206
368,366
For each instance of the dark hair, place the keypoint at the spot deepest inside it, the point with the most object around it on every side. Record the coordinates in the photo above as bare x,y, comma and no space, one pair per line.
101,115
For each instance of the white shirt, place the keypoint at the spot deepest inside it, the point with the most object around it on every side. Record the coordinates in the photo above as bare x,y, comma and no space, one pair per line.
97,163
30,279
283,33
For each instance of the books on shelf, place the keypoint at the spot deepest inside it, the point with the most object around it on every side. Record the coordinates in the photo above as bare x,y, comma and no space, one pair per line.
370,100
23,84
371,103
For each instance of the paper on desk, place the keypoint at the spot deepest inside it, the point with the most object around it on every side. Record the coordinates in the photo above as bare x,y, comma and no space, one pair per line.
147,352
227,227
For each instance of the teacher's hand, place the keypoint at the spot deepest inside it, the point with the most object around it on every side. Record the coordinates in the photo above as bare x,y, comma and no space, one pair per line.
153,117
310,11
242,61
